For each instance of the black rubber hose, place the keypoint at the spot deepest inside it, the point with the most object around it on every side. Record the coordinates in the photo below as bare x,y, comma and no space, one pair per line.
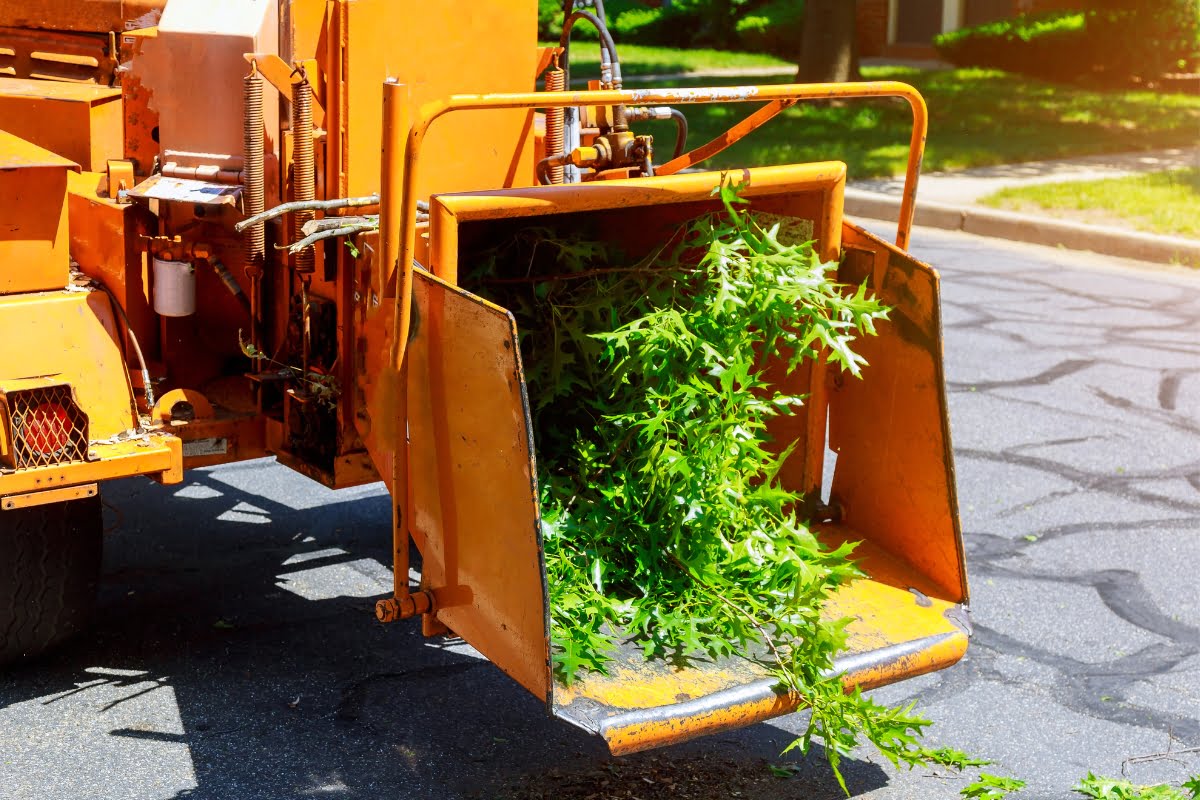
137,350
606,43
681,131
569,6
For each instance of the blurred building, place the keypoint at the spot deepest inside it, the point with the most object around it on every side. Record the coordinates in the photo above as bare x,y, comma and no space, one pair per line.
905,28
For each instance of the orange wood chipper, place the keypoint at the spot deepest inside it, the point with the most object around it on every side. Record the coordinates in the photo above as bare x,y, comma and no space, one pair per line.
236,228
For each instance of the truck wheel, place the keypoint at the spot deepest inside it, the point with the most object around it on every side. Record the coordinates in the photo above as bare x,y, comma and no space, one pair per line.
49,566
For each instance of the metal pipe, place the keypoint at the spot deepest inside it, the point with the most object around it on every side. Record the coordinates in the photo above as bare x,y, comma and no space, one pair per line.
778,94
726,139
395,131
681,131
335,99
397,224
303,169
254,241
231,284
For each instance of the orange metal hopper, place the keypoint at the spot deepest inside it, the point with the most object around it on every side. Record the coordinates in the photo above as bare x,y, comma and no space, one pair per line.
473,495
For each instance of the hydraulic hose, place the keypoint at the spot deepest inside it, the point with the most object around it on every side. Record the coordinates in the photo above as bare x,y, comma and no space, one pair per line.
681,132
607,46
610,71
137,350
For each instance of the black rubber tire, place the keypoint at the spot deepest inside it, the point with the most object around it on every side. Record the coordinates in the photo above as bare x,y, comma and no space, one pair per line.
49,567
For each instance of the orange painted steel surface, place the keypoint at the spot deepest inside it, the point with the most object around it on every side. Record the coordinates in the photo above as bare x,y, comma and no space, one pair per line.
14,501
906,621
896,417
72,336
33,220
141,121
57,56
80,122
472,495
104,242
644,704
92,16
738,131
448,46
813,191
156,456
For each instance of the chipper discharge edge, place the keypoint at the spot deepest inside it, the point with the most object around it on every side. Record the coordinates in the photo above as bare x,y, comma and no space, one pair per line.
239,228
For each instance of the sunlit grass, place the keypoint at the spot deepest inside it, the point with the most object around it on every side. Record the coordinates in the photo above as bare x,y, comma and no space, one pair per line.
977,118
1159,202
644,60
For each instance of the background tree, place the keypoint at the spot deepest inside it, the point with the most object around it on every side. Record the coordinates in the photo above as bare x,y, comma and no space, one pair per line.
828,51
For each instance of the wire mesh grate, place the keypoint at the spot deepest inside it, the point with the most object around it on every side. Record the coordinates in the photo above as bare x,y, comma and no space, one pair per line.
48,427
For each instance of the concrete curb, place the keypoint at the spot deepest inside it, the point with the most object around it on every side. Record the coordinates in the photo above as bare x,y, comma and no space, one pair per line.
1025,228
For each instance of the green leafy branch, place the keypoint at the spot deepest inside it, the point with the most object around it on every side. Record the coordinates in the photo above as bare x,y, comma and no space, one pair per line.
319,386
1099,788
663,514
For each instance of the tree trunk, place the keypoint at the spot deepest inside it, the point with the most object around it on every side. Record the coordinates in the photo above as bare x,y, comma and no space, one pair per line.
828,51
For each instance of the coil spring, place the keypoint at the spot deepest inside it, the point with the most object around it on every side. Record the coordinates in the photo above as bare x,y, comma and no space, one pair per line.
555,82
254,241
303,169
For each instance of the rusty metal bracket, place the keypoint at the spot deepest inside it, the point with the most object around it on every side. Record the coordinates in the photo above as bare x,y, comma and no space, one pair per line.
404,606
28,499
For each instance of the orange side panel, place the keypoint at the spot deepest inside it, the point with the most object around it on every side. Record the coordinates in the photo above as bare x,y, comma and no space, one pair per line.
93,16
474,513
104,242
474,502
895,471
79,122
71,335
33,218
491,49
57,56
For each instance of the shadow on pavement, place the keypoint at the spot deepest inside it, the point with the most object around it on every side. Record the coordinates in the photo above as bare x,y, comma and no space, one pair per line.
258,617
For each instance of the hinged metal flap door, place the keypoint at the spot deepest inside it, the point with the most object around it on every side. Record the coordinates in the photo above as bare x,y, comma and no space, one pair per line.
475,508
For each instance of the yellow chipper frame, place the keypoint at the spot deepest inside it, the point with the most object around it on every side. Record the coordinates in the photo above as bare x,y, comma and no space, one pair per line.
162,163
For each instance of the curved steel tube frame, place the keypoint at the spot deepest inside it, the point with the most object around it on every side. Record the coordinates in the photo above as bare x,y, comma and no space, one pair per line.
398,221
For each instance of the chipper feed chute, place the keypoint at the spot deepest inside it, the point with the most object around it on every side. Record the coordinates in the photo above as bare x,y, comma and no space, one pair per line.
473,502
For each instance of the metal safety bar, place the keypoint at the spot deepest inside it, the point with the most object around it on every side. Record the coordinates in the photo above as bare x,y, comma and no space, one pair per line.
398,230
397,221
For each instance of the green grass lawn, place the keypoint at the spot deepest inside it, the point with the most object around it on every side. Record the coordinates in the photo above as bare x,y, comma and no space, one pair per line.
977,117
643,60
1159,202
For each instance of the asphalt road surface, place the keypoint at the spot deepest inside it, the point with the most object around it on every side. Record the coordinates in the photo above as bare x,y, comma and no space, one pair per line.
236,655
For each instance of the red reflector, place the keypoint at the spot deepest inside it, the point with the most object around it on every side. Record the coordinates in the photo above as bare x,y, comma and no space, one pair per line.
47,429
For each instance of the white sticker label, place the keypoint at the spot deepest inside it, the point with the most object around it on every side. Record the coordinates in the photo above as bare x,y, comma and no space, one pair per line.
217,446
